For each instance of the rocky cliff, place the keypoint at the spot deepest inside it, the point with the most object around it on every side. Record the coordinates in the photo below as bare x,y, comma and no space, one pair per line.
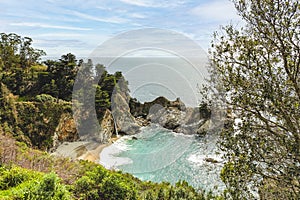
129,115
65,130
125,122
173,115
107,128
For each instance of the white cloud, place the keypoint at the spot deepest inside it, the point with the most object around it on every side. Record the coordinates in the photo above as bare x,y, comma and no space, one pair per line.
39,25
115,20
59,42
104,8
143,3
221,10
152,3
137,16
59,35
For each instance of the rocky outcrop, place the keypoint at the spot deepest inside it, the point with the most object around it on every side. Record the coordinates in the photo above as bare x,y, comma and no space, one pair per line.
138,109
173,115
125,122
211,160
91,129
65,130
107,127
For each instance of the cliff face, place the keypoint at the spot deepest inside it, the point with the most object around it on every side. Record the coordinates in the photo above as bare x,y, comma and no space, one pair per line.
65,130
107,127
125,122
46,124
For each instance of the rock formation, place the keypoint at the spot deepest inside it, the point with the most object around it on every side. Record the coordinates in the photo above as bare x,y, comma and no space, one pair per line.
173,115
65,130
107,127
125,122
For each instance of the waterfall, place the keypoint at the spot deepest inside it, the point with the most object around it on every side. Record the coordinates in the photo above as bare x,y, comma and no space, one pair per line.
115,124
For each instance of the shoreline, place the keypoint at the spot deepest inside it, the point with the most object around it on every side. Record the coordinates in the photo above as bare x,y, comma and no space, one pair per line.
94,154
80,150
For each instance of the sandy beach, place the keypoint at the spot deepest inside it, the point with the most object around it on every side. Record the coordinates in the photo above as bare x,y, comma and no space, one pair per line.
82,150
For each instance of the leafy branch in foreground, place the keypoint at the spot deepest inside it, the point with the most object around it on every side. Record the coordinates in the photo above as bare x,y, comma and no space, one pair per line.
258,70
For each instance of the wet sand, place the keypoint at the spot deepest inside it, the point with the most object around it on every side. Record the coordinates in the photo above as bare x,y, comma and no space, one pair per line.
94,154
82,150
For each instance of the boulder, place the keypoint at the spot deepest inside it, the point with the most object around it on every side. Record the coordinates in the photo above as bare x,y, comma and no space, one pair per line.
211,160
173,115
204,128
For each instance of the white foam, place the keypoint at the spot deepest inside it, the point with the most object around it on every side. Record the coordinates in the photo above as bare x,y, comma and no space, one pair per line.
182,135
109,158
200,159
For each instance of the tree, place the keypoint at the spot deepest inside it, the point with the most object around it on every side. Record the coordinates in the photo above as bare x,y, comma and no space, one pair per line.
102,101
17,56
60,76
257,71
16,52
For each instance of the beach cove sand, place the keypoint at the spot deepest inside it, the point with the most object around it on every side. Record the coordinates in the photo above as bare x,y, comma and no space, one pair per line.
82,150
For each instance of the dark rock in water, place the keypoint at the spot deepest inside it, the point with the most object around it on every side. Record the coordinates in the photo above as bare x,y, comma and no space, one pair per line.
134,138
204,128
171,118
211,160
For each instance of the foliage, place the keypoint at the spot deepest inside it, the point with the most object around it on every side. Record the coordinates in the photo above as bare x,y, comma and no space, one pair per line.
49,188
31,92
60,77
257,70
45,98
16,57
116,186
19,183
12,177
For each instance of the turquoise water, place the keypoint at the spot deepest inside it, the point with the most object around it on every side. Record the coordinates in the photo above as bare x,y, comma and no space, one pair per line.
161,155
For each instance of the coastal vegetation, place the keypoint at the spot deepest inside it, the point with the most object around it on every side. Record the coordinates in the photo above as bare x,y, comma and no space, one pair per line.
254,73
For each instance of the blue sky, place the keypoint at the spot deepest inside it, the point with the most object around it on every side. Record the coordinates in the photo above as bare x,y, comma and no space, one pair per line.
62,26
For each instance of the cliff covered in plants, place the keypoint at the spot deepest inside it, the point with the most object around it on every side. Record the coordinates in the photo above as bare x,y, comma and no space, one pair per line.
35,96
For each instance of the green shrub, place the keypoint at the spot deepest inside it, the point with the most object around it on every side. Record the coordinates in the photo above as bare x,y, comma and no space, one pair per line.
86,188
19,183
48,188
116,186
45,98
13,177
98,174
